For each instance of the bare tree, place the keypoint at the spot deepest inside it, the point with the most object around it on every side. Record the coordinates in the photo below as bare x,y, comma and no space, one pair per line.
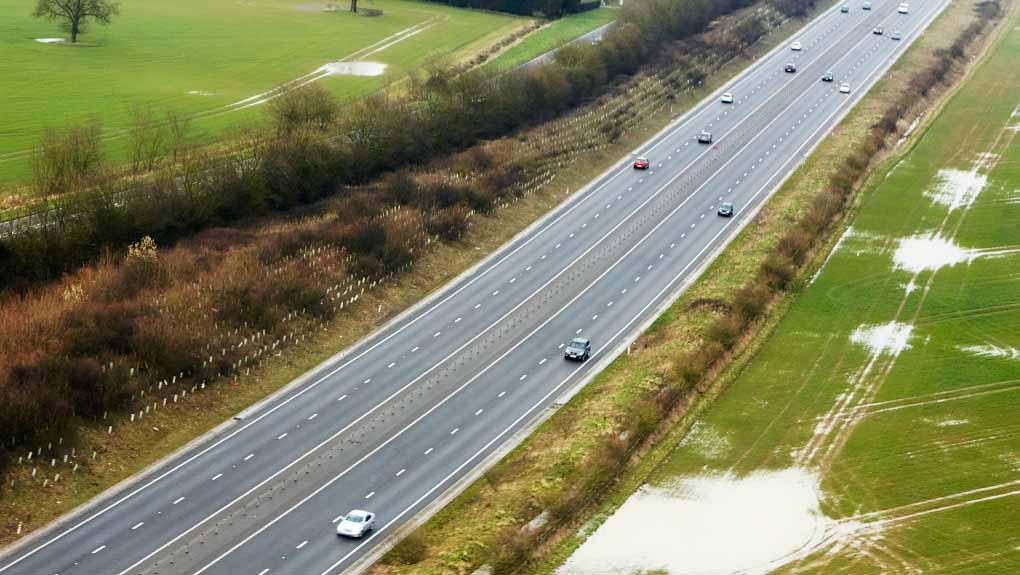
74,15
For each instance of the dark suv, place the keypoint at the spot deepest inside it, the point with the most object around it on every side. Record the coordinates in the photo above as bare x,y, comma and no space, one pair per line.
578,350
726,210
790,68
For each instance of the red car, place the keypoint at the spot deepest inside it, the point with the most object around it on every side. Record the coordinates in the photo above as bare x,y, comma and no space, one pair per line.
641,163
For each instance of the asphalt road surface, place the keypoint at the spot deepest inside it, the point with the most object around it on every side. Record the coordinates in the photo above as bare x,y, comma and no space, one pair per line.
396,421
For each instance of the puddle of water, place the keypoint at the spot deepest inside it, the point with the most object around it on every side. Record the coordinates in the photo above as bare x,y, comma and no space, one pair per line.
958,188
50,40
709,525
890,338
354,68
928,252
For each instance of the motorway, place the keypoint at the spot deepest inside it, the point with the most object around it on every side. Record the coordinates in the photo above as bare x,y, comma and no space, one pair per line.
393,423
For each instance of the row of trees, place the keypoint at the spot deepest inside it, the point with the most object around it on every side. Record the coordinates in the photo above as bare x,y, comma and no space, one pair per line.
313,150
547,8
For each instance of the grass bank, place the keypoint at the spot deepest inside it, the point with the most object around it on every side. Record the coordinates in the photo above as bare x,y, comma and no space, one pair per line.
552,36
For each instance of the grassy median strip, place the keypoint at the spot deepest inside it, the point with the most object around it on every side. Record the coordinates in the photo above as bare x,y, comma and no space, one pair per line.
556,472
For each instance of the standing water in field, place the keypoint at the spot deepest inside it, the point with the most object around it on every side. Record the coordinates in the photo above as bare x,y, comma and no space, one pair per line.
711,524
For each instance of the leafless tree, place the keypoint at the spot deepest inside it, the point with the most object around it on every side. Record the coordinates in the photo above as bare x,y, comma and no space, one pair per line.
74,15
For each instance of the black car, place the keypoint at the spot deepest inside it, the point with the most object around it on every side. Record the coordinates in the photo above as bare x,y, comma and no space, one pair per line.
827,77
578,350
790,68
726,210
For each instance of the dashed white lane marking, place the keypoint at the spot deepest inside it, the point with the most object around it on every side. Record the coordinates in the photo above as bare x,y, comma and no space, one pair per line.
495,293
544,359
392,363
594,317
313,416
457,320
682,236
610,304
649,266
623,291
527,269
543,256
369,496
249,456
282,435
584,225
137,525
178,500
702,216
692,225
455,430
428,451
414,349
401,472
523,377
478,305
637,279
337,518
560,346
672,245
596,215
98,549
501,394
266,570
302,544
217,476
342,397
367,381
512,280
557,246
437,334
479,412
620,197
579,330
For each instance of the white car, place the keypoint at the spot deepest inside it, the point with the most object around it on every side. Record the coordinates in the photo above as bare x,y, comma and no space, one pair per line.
356,524
904,8
844,88
796,47
727,98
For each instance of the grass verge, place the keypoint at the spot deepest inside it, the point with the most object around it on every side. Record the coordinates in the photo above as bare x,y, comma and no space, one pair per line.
552,36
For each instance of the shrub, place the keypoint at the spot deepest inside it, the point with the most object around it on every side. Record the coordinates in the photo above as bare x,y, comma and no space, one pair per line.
410,550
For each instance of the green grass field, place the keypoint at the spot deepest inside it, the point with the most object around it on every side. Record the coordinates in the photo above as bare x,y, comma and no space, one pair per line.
552,36
880,418
196,56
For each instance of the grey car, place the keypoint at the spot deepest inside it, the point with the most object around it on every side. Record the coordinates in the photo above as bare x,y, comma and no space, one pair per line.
705,137
578,350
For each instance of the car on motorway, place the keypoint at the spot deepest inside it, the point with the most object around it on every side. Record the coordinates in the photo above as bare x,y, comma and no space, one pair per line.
705,137
641,163
725,210
579,349
796,47
866,6
896,35
790,67
827,77
356,524
878,31
727,98
845,8
903,8
844,88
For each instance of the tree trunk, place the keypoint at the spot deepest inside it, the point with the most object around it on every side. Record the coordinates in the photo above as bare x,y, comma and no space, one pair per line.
74,31
354,5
